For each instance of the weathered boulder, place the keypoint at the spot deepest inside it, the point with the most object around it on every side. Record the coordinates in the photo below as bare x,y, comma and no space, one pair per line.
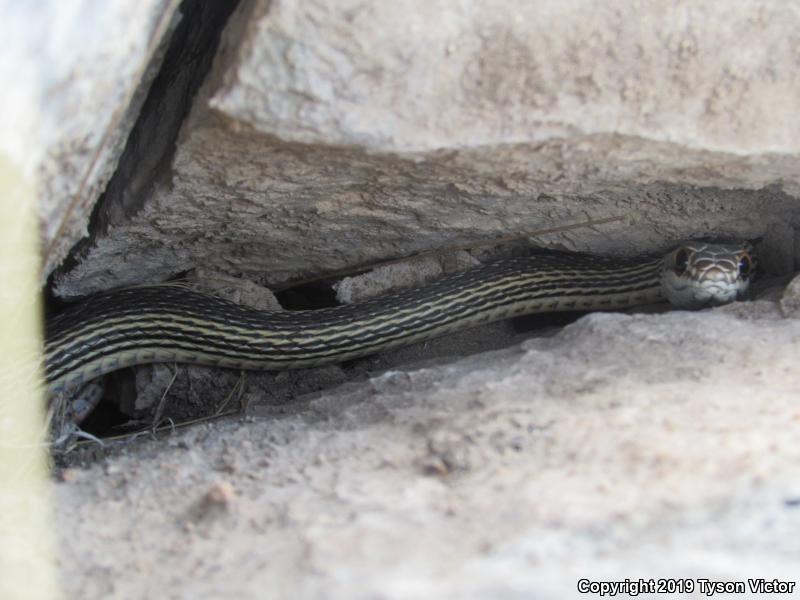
332,135
626,446
75,76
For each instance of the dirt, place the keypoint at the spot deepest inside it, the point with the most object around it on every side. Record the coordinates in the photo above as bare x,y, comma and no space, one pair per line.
623,446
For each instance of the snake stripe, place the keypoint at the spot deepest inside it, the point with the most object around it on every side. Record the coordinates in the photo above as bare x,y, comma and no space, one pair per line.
274,320
212,313
164,334
168,322
291,334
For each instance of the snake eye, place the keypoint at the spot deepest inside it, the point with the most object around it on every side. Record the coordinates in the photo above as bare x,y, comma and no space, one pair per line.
681,261
745,265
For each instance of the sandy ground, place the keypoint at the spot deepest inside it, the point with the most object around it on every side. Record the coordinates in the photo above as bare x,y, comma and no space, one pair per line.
624,446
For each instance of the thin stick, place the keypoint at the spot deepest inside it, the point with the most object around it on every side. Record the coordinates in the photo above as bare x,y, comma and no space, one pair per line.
162,402
172,426
237,389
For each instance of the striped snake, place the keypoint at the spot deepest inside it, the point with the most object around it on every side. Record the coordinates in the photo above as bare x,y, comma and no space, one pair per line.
169,323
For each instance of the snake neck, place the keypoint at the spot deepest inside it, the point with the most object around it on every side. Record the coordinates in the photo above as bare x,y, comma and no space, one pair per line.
173,324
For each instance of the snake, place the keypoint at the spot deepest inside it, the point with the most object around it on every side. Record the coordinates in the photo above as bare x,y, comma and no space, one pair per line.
172,323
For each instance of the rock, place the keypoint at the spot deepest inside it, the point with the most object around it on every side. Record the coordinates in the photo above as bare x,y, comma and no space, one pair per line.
790,301
333,136
75,78
778,252
233,289
423,76
398,275
607,449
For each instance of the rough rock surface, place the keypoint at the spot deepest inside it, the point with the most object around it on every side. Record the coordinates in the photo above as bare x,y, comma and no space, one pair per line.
626,446
331,135
75,76
423,75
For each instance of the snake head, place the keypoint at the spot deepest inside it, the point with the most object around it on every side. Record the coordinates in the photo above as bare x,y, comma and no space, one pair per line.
699,274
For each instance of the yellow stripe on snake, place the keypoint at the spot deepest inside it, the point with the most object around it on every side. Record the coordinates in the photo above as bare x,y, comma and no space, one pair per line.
167,323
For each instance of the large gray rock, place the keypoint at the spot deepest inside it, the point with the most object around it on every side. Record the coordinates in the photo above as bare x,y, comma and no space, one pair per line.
336,134
624,447
424,75
75,75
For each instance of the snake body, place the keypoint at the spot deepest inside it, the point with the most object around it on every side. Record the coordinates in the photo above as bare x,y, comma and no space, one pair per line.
169,323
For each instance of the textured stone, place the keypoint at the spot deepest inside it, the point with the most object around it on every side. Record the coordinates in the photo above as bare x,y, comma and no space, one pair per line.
623,447
280,213
423,75
409,273
330,136
233,289
790,300
74,75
